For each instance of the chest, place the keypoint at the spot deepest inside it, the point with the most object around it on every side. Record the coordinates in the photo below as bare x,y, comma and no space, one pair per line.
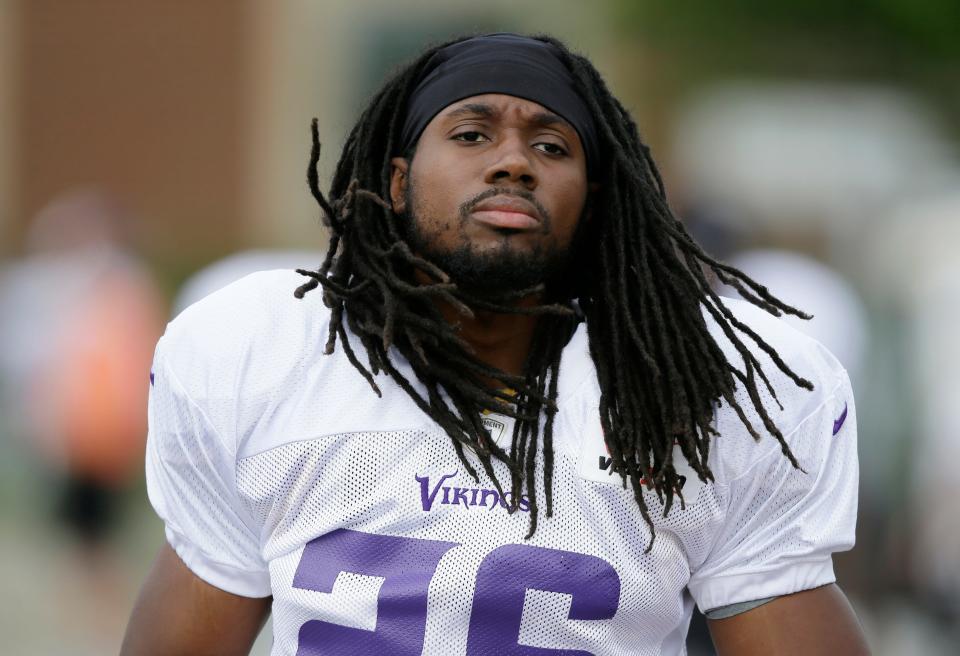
381,542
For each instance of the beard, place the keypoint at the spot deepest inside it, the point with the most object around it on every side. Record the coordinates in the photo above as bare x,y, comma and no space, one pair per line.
489,272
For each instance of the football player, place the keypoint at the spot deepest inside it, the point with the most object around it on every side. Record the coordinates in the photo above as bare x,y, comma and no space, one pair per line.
515,418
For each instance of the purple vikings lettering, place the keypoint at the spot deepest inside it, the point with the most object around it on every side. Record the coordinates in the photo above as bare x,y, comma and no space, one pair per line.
468,497
427,496
460,493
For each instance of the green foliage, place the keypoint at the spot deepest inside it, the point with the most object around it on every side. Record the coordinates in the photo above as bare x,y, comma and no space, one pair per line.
926,29
912,44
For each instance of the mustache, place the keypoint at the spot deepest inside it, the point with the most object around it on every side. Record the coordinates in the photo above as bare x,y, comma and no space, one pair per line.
467,206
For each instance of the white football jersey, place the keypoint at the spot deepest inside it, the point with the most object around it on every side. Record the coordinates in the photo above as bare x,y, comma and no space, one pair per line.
277,471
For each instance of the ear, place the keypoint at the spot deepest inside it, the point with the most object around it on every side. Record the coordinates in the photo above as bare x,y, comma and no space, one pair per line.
399,175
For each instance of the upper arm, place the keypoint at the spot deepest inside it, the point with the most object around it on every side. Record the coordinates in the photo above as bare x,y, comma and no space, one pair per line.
179,613
209,589
191,481
818,622
781,524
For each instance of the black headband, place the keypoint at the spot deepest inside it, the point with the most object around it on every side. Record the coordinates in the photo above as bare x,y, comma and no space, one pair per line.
499,63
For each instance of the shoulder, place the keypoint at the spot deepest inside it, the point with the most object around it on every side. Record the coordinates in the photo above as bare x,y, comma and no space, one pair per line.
244,337
793,407
802,353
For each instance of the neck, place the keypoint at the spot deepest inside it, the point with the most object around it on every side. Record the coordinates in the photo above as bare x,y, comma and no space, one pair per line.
499,340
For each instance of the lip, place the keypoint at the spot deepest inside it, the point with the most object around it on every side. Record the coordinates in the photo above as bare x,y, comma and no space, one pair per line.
510,212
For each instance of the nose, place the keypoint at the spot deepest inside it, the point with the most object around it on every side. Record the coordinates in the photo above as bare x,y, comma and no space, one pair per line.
511,163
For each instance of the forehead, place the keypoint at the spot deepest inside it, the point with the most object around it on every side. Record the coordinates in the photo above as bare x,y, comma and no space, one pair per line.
502,107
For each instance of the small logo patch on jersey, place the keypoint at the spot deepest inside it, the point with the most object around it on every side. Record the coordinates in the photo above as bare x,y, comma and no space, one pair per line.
839,421
151,379
595,464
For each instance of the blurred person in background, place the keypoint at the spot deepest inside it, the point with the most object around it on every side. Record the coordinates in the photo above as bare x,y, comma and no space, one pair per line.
929,301
839,316
79,315
221,273
506,216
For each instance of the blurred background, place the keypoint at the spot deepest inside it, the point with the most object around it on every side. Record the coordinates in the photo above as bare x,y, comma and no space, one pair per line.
152,151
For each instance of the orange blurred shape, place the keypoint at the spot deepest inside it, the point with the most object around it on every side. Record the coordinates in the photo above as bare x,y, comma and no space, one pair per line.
95,388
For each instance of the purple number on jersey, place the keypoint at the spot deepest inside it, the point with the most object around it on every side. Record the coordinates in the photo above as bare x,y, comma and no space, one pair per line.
407,565
509,571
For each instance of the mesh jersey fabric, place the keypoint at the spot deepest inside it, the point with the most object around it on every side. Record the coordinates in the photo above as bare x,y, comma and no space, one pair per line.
277,471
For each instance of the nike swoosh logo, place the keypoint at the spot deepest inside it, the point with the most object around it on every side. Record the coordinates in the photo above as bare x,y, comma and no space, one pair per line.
151,379
838,423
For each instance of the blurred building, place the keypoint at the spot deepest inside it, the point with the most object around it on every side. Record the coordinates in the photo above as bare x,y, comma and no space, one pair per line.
197,114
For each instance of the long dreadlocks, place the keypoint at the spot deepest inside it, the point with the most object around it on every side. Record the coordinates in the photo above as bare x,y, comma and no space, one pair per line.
642,288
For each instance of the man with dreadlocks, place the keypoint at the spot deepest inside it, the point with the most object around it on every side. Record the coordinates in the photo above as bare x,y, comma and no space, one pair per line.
519,422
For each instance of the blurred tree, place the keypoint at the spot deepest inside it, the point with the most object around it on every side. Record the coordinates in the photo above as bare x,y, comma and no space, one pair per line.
913,42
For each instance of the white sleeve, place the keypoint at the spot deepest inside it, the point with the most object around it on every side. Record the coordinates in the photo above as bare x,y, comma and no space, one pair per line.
782,524
191,484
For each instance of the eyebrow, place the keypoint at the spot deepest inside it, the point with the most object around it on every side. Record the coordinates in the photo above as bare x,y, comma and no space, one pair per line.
540,119
477,109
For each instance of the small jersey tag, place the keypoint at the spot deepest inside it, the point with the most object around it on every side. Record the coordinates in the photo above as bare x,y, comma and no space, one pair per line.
596,465
500,427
